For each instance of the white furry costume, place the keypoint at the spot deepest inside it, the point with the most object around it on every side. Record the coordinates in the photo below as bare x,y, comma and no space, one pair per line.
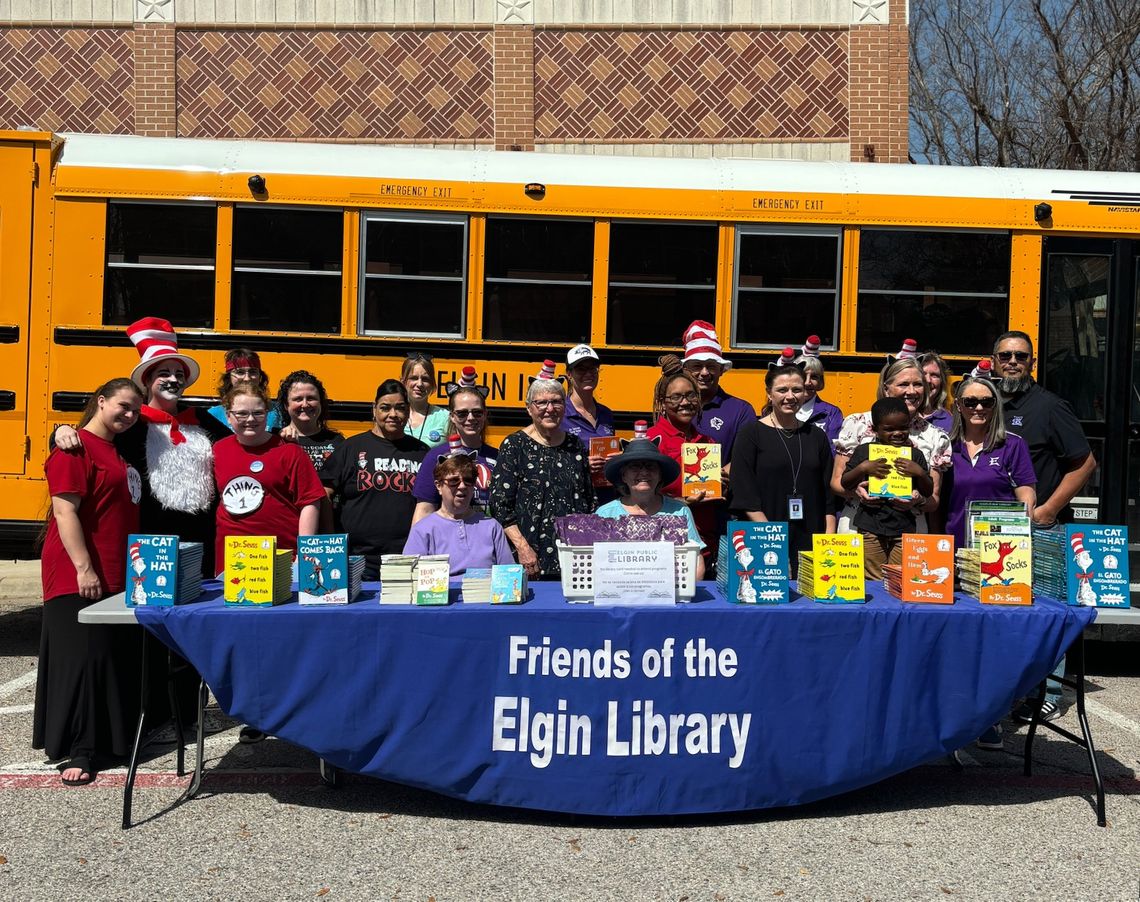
181,476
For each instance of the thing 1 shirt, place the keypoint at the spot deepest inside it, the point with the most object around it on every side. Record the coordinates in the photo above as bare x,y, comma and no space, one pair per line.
109,490
261,490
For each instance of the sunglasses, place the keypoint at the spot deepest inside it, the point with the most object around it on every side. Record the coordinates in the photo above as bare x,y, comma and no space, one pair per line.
419,355
1007,356
454,482
971,403
469,414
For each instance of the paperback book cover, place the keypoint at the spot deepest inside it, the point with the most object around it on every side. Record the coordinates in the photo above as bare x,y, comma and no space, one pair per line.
700,470
508,584
252,573
477,585
894,484
1006,569
1097,559
324,569
757,571
928,568
838,568
152,570
432,573
603,446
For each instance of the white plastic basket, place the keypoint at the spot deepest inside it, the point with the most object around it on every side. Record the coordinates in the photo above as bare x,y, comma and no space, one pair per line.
577,563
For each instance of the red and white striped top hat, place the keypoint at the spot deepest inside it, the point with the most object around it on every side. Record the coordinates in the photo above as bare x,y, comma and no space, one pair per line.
640,430
547,371
1078,542
467,379
909,349
811,347
787,357
738,541
701,343
156,342
984,369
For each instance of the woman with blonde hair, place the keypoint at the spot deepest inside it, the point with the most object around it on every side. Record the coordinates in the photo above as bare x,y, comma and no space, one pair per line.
937,376
900,378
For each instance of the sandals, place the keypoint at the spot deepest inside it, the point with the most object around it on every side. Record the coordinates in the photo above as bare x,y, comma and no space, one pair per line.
84,766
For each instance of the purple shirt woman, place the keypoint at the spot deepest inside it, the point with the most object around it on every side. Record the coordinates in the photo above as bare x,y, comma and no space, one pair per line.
989,463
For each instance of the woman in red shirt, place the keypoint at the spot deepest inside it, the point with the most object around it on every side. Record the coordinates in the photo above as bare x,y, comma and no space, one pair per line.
88,675
266,486
676,403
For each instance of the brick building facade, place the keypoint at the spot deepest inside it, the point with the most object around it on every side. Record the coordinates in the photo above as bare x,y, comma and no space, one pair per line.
811,79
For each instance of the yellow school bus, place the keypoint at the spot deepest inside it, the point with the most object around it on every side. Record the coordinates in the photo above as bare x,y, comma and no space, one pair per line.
341,259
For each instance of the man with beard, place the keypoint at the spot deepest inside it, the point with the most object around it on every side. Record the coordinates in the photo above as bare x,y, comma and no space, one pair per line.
1060,452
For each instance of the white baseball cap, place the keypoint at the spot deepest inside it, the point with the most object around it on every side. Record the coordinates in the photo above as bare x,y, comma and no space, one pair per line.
578,353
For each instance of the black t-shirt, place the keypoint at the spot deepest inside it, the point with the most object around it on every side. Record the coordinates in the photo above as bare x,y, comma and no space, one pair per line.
374,479
1048,425
883,519
320,446
767,467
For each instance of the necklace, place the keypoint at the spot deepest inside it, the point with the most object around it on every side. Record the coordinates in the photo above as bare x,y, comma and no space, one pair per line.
775,424
797,465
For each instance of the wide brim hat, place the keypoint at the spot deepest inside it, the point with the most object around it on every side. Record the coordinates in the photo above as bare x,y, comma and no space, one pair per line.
641,451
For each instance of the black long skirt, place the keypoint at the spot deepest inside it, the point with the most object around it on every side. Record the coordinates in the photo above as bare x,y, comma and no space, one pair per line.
87,691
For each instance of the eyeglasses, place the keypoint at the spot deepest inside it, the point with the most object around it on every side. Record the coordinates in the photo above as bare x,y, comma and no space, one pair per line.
698,366
454,482
241,415
677,400
469,414
1007,356
548,405
984,403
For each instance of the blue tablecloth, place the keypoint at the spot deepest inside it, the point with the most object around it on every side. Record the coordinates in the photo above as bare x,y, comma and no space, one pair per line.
807,700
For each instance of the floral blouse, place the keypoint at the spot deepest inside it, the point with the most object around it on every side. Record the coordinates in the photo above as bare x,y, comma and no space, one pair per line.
534,483
929,439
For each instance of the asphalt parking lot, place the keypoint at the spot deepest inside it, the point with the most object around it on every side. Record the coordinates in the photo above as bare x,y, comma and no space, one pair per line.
266,827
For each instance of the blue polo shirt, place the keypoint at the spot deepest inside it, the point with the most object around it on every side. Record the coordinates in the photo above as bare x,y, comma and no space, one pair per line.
991,476
576,424
721,418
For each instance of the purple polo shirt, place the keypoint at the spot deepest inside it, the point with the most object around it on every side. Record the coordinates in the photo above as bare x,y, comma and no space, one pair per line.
576,424
827,417
991,477
485,459
942,418
721,418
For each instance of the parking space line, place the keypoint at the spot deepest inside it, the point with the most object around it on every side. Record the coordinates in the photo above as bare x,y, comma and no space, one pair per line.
17,709
14,686
1113,717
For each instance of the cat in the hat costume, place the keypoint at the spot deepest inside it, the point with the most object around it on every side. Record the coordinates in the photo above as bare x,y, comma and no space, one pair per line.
171,444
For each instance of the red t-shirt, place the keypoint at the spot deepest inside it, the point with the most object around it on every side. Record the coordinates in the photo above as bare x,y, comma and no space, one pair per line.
261,490
109,490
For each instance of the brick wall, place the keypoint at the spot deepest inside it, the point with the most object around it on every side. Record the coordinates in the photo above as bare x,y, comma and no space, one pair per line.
879,90
514,87
154,81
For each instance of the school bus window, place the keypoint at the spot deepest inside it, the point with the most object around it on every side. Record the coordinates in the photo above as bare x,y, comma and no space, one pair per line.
414,270
160,262
662,277
538,279
948,290
787,286
287,269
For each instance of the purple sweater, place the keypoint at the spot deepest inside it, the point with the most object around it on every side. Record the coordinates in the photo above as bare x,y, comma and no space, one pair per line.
478,541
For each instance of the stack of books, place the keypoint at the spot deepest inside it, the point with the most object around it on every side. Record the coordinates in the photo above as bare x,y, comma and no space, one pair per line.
996,518
832,572
431,575
1050,573
1083,564
326,572
508,584
477,585
189,572
926,574
397,578
162,571
256,573
997,570
723,562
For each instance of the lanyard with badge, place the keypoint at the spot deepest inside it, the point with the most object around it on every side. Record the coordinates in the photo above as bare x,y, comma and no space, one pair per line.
795,499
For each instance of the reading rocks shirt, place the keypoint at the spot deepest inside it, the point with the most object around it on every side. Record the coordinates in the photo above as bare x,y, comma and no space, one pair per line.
374,479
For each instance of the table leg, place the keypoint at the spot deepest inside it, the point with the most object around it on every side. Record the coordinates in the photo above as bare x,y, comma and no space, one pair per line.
1076,665
176,713
133,765
196,779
